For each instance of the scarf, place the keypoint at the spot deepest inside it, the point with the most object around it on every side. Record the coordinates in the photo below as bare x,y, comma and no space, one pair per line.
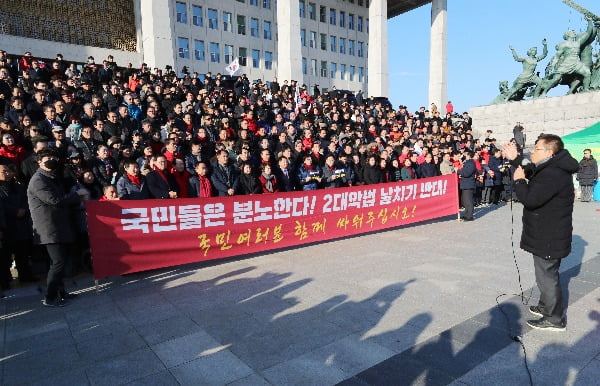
135,179
182,181
308,167
161,173
205,187
269,182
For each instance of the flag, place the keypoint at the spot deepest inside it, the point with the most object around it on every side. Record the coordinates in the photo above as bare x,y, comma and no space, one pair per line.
233,67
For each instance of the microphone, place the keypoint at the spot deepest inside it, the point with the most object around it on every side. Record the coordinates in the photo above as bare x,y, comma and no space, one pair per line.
525,162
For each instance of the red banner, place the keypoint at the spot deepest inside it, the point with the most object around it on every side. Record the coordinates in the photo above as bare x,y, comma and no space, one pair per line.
132,236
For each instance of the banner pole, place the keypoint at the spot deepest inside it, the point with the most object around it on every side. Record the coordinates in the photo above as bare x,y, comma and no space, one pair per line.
458,200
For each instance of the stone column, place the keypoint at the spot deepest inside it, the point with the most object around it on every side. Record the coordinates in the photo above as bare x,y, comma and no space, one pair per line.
438,70
289,50
158,41
378,67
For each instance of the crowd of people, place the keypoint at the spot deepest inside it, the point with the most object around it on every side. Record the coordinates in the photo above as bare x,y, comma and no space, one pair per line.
129,133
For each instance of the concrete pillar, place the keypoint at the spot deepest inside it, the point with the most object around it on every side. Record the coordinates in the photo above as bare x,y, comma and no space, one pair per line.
289,50
438,60
157,40
378,67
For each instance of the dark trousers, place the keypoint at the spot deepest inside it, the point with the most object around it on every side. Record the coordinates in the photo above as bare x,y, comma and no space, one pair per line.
547,278
466,196
58,254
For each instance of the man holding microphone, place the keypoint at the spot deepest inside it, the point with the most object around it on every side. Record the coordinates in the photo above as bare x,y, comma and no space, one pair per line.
545,187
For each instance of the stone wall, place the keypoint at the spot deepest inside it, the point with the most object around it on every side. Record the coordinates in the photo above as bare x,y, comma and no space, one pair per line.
554,115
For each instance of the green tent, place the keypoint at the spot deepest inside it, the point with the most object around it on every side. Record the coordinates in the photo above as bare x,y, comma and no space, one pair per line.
584,139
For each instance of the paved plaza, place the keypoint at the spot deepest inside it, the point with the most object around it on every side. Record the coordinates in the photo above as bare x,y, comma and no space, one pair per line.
413,305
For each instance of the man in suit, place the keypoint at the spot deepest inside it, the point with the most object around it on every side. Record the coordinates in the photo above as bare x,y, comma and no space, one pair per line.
284,175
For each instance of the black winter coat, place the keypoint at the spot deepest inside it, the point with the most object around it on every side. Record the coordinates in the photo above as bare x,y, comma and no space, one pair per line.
588,171
52,209
548,207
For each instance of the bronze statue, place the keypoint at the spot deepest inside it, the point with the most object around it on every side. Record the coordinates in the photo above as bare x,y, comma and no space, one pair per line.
573,64
528,77
567,64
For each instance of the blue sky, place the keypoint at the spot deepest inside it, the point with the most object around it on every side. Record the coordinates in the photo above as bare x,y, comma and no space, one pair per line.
479,33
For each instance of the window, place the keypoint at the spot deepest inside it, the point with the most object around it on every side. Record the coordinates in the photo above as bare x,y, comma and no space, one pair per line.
228,53
215,56
361,74
350,47
304,67
324,42
332,13
267,4
342,19
303,37
268,60
255,58
312,11
302,5
199,50
323,14
360,49
352,71
241,1
227,22
343,46
313,39
332,43
253,2
181,10
213,19
197,16
242,55
367,25
324,68
359,24
241,22
254,27
183,48
313,67
332,70
267,30
360,2
342,71
350,21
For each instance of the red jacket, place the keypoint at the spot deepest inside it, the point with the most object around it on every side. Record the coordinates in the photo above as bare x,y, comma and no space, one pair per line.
16,154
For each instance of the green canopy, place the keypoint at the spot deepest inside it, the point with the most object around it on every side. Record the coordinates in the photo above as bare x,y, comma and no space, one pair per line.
584,139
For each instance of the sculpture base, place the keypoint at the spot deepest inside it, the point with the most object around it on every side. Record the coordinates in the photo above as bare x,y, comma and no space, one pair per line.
555,115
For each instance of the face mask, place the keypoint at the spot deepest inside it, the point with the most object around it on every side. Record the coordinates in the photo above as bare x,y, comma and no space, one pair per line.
51,164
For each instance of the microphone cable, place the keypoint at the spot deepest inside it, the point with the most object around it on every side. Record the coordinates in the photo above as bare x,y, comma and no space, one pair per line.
514,337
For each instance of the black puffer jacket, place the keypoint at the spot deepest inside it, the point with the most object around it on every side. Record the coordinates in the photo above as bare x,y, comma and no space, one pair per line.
548,207
588,171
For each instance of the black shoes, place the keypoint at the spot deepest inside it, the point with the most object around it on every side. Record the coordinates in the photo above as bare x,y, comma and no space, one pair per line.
536,310
466,219
67,296
544,324
61,301
54,303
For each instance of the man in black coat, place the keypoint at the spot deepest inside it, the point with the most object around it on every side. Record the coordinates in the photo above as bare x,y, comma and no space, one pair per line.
467,185
51,208
161,183
546,191
225,178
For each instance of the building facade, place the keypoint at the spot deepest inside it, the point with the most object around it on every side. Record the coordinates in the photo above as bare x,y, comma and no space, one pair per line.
341,43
